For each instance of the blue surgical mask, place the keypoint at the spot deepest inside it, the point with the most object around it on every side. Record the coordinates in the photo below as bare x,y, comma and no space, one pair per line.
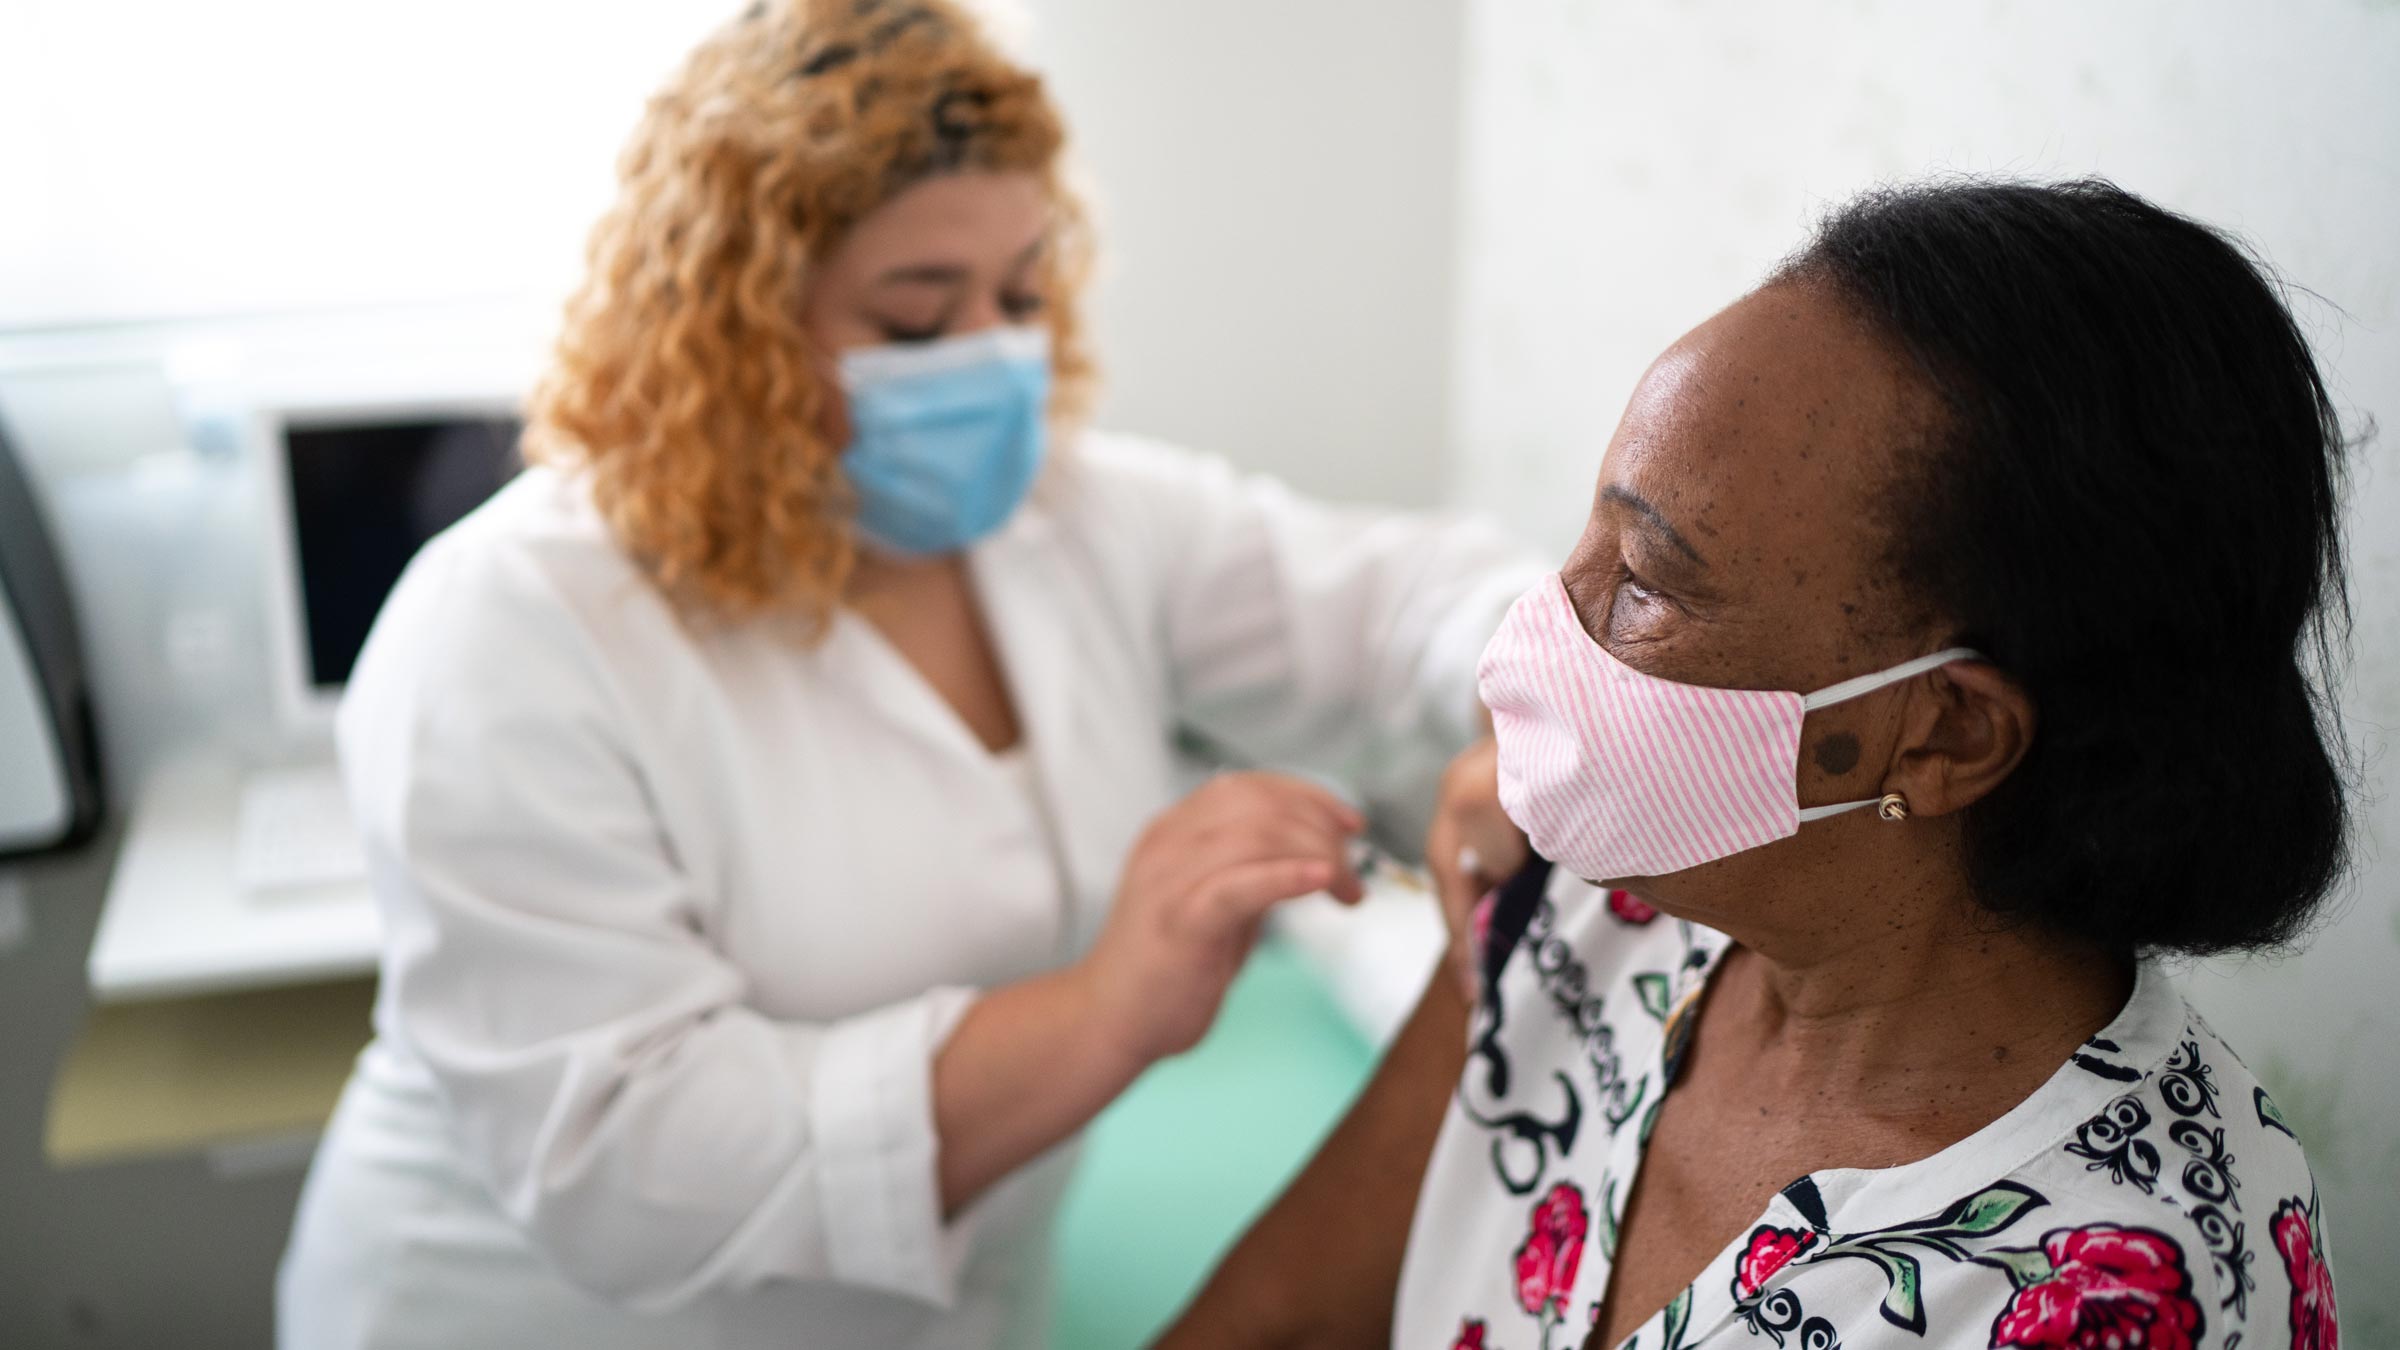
946,437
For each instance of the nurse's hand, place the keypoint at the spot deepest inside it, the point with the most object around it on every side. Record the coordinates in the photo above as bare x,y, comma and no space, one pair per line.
1196,887
1472,847
1033,1062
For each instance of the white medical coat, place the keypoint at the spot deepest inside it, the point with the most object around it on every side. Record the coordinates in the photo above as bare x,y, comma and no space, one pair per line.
679,911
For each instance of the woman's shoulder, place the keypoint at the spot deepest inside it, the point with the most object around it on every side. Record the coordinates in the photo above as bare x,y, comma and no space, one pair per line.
2191,1176
2166,1202
2167,1115
1116,484
1125,461
1127,513
544,519
537,547
531,582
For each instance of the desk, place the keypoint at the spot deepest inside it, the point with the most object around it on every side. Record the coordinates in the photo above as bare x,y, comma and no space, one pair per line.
176,922
229,1019
246,1079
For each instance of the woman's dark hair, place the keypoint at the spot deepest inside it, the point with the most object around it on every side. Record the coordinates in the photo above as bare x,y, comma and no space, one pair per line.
2133,505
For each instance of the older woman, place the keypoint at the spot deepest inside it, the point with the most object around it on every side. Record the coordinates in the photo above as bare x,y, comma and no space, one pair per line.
772,795
1945,645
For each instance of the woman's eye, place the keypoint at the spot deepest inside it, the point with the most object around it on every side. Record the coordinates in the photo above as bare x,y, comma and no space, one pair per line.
1631,601
906,336
1022,307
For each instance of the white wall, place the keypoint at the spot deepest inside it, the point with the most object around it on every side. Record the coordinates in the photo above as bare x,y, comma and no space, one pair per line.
1629,168
1277,201
1278,184
168,159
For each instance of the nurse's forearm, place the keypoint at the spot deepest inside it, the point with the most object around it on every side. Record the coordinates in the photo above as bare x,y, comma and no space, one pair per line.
1025,1069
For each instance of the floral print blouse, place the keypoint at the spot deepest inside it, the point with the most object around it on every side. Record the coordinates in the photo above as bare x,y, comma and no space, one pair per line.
2148,1196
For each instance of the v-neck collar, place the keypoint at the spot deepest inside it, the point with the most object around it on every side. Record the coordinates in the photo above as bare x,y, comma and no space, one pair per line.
1023,641
886,679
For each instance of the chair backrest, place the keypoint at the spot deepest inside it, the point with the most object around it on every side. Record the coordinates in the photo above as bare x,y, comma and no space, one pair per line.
50,788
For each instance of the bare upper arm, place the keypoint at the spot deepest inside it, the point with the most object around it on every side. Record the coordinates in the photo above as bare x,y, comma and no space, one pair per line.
1321,1267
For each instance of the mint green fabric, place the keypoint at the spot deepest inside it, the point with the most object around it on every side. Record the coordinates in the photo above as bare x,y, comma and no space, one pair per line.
1175,1171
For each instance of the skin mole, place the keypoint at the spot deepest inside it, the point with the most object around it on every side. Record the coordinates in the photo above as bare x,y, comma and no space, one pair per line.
1837,754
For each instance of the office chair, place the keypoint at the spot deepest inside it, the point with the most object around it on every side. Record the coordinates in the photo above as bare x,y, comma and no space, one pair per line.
50,789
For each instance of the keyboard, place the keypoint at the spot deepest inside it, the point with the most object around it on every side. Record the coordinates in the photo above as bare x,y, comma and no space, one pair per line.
294,830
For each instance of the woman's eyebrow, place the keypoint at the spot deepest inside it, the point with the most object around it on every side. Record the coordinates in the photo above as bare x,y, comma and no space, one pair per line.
1650,515
924,274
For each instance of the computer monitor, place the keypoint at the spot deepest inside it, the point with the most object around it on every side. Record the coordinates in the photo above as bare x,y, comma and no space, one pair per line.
352,492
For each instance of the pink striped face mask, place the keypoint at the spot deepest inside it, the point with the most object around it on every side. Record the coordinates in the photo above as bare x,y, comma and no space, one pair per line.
1614,774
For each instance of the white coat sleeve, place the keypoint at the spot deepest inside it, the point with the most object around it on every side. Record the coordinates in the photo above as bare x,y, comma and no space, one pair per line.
548,960
1337,640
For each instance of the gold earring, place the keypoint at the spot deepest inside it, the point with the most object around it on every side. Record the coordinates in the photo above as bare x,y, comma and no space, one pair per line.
1892,807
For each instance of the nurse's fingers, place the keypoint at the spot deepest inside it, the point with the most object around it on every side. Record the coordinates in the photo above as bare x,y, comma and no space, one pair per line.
1235,899
1261,837
1248,817
1187,862
1280,794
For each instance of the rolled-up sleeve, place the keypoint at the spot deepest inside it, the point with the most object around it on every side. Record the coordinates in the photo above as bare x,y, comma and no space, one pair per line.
548,961
873,1103
1334,639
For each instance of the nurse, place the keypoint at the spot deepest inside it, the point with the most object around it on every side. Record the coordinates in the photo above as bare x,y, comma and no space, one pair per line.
772,796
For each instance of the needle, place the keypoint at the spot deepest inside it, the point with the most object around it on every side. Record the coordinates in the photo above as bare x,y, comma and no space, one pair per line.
1371,862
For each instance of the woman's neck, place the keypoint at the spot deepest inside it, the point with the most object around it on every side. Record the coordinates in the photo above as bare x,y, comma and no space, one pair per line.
877,574
1941,1014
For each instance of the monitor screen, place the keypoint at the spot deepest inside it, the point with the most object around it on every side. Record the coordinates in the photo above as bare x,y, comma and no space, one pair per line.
365,496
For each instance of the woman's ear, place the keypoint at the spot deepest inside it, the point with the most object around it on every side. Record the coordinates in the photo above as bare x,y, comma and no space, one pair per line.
1967,736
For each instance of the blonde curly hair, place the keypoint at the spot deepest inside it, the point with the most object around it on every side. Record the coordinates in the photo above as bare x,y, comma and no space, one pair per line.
682,383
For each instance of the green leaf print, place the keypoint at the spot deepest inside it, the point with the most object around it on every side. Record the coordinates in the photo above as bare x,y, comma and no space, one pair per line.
1608,1220
1988,1211
1982,1214
1653,989
1679,1316
1903,1305
2269,1114
2026,1266
1979,1215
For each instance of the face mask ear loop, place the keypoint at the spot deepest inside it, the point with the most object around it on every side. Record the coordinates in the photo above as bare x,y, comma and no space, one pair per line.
1809,813
1868,684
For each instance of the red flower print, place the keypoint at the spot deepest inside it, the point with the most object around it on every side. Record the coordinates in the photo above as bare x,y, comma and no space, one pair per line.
2108,1287
1770,1250
1470,1335
1630,907
1480,918
1553,1248
2313,1324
